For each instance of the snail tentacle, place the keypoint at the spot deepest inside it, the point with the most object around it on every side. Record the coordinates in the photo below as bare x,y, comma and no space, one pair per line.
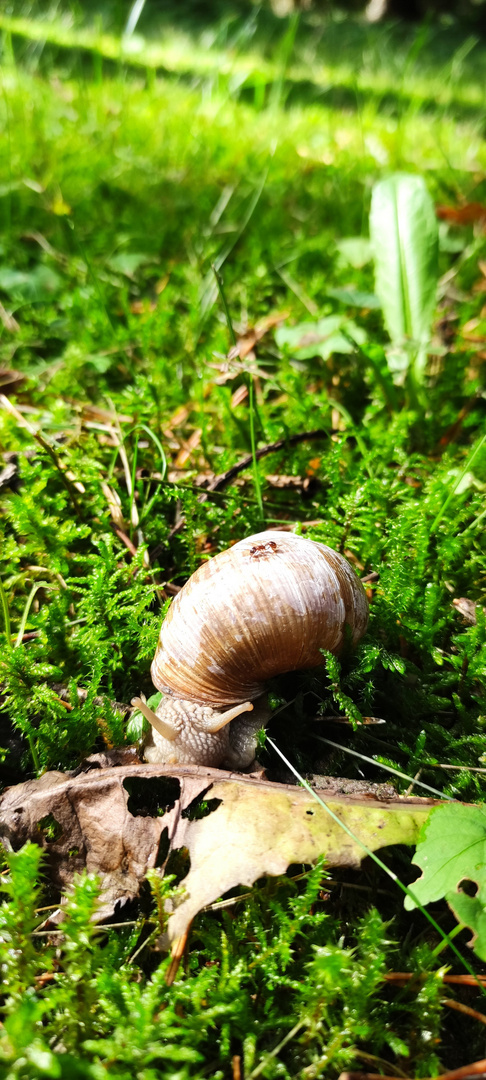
164,729
196,742
218,720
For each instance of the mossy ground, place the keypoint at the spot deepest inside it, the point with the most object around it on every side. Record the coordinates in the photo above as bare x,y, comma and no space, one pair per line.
235,138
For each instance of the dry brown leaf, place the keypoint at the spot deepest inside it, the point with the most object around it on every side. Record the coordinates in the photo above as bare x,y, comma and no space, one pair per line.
468,609
8,321
239,396
188,446
114,503
120,819
247,341
143,307
280,480
9,378
468,214
178,419
103,415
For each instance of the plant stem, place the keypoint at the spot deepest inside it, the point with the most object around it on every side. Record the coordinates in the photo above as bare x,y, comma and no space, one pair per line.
443,944
276,1050
229,323
6,615
256,478
35,756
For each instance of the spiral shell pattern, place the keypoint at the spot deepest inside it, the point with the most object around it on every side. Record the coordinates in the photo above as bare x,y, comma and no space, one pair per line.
266,606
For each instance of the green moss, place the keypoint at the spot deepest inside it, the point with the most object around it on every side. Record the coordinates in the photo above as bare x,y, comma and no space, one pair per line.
252,143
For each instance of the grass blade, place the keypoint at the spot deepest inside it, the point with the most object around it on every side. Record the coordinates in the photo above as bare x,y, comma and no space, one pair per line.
6,615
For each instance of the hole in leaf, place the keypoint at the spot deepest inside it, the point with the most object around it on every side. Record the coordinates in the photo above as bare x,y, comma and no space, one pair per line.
163,850
151,796
179,864
200,808
468,887
310,813
51,828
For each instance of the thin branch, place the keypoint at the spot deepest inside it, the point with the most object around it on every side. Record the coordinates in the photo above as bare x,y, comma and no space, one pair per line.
477,1068
126,540
466,1009
221,481
225,478
367,1076
458,980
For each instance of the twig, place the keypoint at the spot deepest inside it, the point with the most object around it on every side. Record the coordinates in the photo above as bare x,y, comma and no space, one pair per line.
372,1059
476,1068
380,765
368,1076
466,1009
466,980
470,768
100,926
221,481
177,952
66,704
46,977
458,980
147,941
220,905
225,478
126,540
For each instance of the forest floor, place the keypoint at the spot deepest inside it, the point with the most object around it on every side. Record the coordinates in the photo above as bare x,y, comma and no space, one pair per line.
137,161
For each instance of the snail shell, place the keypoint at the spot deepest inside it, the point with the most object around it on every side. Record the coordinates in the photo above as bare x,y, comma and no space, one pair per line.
268,605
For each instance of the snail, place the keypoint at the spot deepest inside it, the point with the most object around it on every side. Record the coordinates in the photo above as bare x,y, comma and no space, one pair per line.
266,606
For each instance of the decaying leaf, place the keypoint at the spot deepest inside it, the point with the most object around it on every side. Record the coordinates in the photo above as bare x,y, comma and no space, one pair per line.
247,341
119,822
467,214
467,608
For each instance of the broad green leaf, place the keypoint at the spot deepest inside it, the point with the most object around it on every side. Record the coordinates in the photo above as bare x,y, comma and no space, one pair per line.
333,334
404,237
99,362
354,298
38,284
128,262
355,250
471,911
452,849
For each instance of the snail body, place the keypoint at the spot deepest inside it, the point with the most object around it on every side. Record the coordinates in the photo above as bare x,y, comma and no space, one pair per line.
268,605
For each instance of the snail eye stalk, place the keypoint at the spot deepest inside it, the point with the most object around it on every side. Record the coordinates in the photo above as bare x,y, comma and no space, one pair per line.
219,720
163,728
